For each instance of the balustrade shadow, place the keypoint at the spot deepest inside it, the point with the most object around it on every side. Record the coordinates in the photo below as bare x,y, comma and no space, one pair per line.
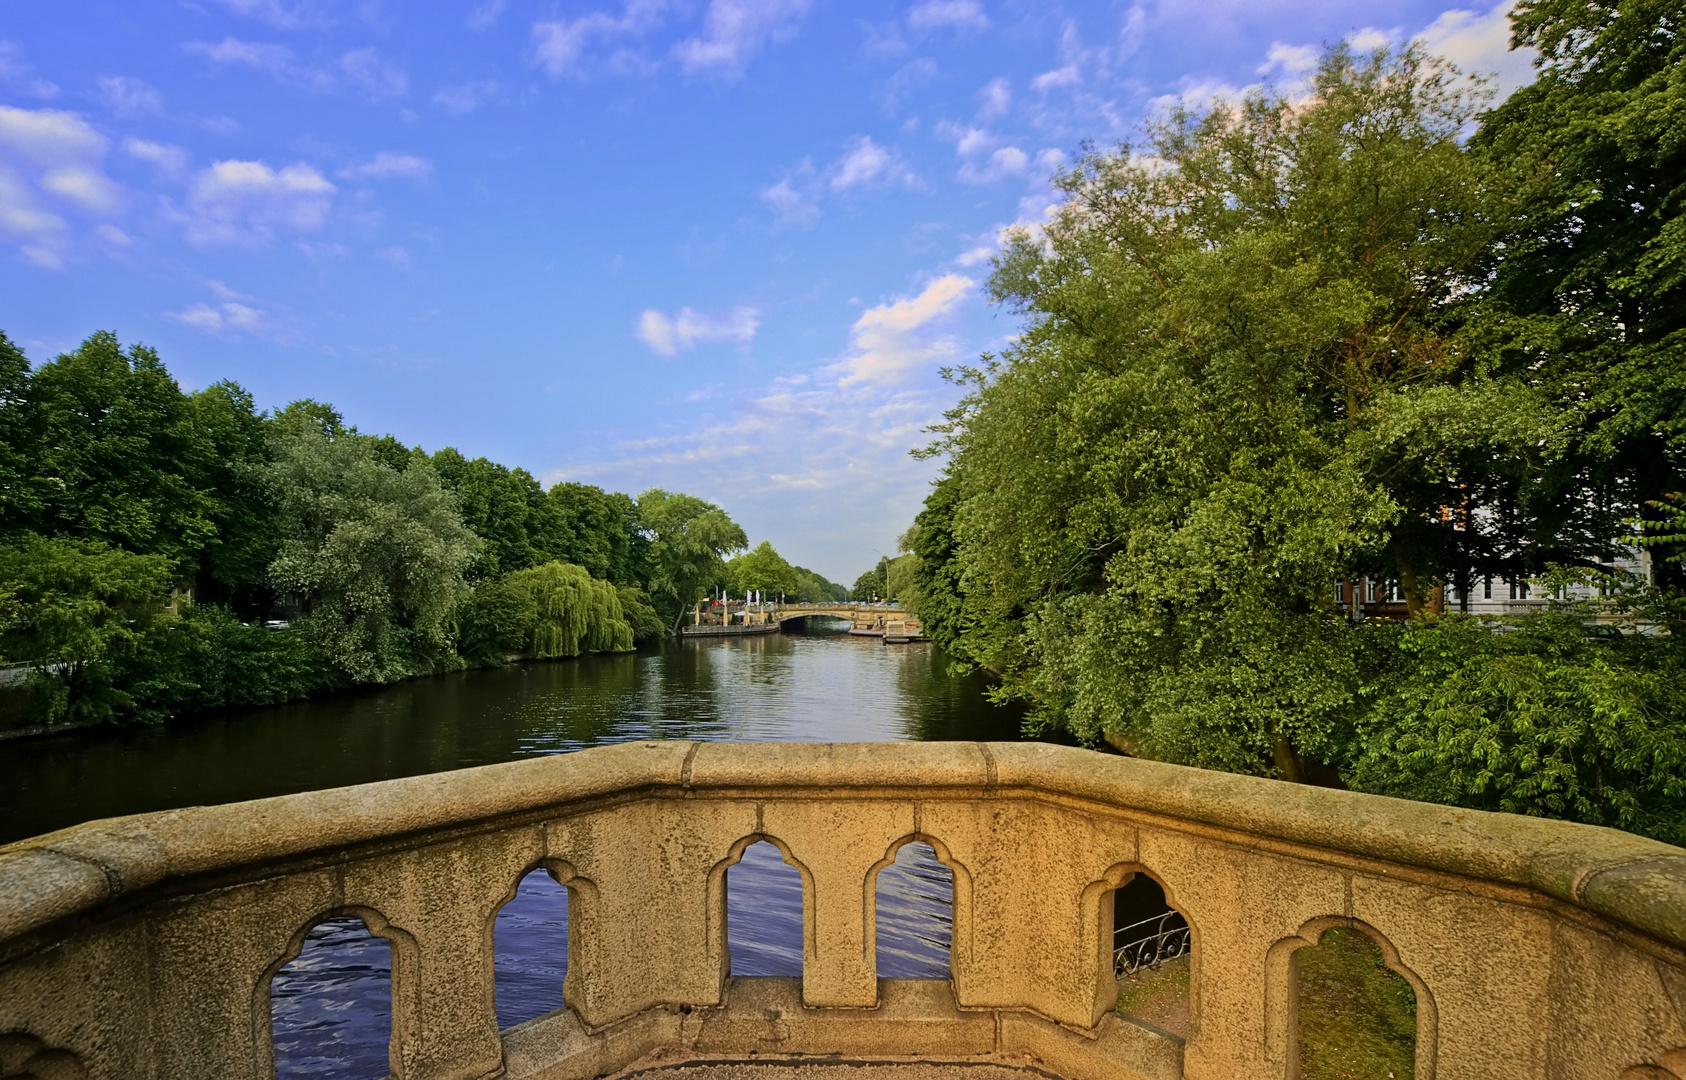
763,914
530,949
330,1006
913,903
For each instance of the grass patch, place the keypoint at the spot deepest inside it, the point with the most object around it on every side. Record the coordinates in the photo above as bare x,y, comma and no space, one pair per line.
1158,996
1358,1018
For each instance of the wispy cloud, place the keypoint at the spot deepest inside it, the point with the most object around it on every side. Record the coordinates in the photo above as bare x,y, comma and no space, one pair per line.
734,30
460,99
248,202
16,71
890,342
485,14
282,16
129,97
233,315
51,162
731,32
386,166
167,159
948,14
670,335
863,164
358,70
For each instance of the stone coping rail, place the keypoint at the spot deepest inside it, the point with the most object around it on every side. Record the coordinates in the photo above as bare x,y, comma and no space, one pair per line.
144,945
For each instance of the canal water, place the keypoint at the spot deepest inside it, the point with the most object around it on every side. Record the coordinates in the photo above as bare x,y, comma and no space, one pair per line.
331,1004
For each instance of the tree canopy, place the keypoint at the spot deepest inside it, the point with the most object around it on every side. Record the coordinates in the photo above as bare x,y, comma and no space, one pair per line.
1296,340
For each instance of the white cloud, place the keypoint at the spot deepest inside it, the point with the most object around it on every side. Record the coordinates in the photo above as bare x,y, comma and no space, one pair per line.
889,342
50,160
170,160
867,164
114,236
1294,60
1369,39
247,201
560,44
87,188
790,202
359,69
1479,44
128,97
670,335
232,315
733,30
946,14
460,99
277,14
996,98
863,164
49,137
397,255
386,165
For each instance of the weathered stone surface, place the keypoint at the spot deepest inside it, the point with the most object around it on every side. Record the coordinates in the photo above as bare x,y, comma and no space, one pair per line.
144,946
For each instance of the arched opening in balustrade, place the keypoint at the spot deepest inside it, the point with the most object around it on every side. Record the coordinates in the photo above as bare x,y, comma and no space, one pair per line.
765,932
912,893
329,1000
1352,1008
1149,952
530,946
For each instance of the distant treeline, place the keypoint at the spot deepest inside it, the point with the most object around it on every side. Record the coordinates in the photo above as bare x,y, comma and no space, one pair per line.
162,552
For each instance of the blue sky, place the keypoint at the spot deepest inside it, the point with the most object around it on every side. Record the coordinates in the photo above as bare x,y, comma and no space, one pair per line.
719,246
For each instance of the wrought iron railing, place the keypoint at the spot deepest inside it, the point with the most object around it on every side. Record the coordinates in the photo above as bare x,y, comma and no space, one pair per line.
1147,944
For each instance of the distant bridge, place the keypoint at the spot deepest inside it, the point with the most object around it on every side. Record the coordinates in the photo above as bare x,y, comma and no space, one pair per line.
891,620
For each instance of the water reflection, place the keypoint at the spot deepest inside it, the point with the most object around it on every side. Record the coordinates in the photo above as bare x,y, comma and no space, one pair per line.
803,687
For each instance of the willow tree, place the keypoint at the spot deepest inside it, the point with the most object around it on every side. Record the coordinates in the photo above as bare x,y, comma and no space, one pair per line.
572,612
1238,383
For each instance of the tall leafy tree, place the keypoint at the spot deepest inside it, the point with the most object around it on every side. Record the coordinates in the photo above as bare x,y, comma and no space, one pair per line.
377,554
507,509
1587,291
1239,382
763,569
118,454
689,540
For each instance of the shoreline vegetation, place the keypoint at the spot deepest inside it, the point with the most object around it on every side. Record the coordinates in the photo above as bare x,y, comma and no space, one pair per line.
1373,329
164,553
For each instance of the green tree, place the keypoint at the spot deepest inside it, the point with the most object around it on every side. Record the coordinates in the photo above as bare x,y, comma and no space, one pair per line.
118,454
77,605
1587,291
234,566
573,612
813,588
506,508
1239,382
600,531
764,569
689,540
377,554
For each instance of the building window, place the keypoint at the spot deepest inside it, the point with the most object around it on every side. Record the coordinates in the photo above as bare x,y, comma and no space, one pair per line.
1340,592
1369,590
1486,588
1519,590
1394,596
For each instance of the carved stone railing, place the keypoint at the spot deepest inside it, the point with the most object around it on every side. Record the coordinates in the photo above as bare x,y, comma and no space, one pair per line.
145,946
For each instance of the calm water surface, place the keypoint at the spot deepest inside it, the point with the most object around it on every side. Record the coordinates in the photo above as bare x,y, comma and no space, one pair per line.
331,1005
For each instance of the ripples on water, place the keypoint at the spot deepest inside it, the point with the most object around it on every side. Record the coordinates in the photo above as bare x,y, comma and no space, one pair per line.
332,1004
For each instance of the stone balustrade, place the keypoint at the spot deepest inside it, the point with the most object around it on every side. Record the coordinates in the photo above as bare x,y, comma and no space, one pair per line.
144,946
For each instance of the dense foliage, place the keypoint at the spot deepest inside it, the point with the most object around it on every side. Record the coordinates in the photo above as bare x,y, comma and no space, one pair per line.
1294,341
162,552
